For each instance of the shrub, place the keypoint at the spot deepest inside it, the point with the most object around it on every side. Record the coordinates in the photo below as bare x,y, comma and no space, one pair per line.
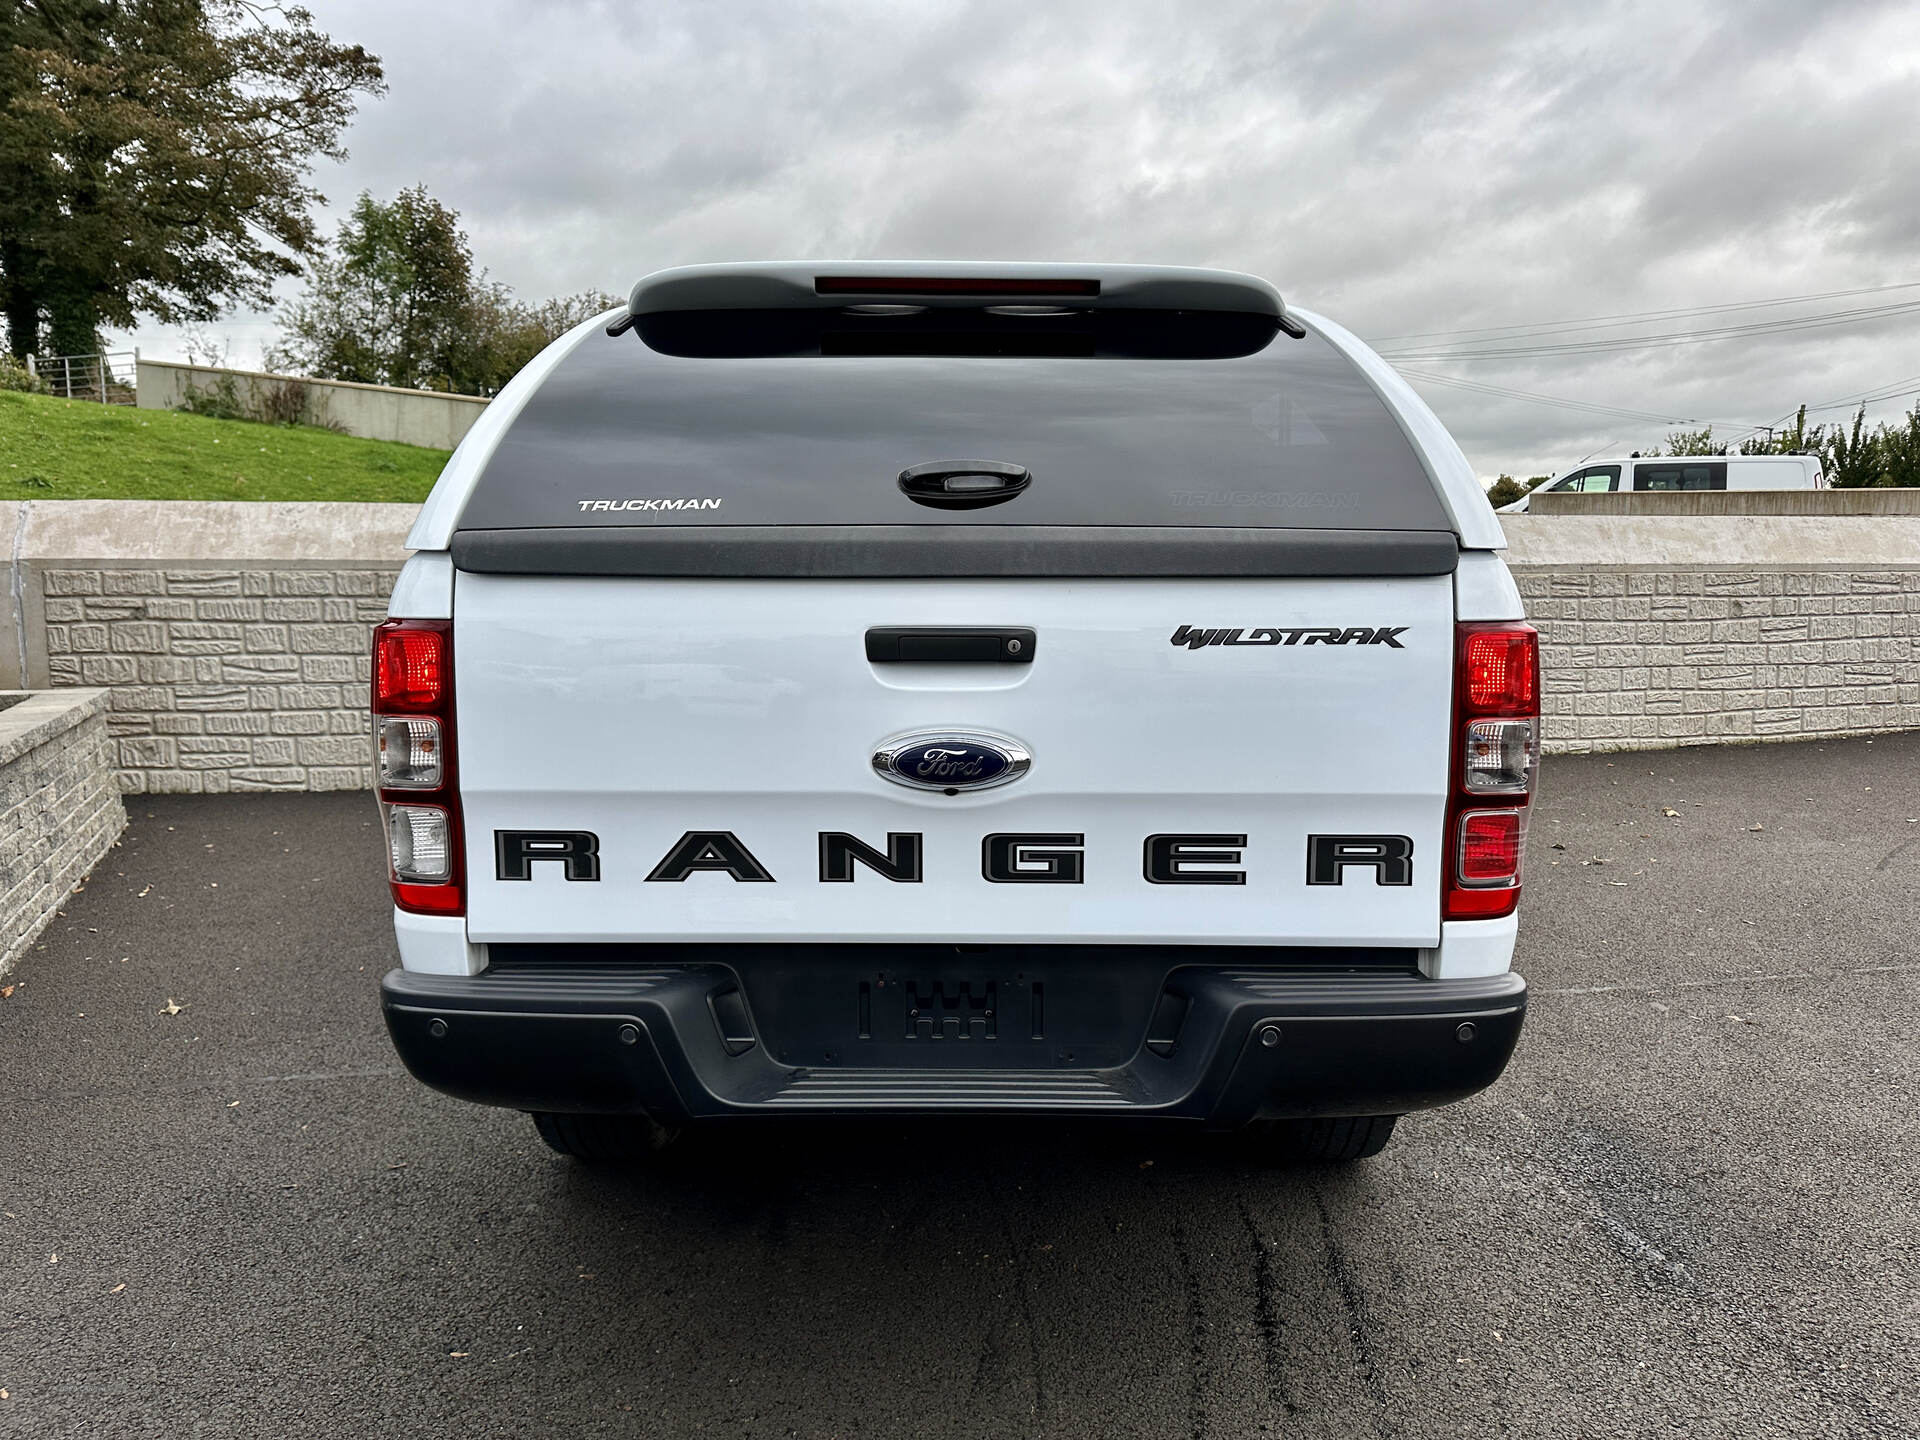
15,376
218,401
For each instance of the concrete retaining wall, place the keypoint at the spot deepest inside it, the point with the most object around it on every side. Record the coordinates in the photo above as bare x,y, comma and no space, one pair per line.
1890,500
1674,631
233,636
377,412
59,809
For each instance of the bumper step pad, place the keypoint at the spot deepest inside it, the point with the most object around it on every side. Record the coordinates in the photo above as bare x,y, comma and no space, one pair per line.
1251,1042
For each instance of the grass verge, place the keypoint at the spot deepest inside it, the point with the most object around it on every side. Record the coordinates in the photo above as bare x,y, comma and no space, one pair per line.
53,449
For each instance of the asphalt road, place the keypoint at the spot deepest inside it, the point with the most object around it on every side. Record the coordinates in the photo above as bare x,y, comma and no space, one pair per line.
1689,1209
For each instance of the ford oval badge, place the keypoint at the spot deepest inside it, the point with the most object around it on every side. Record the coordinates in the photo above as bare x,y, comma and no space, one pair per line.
951,760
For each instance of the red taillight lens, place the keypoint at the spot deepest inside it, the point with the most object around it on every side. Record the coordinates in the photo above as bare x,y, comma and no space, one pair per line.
410,670
1500,670
414,764
1490,843
1496,743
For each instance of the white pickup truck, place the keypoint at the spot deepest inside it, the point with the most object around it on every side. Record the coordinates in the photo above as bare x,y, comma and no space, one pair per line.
956,688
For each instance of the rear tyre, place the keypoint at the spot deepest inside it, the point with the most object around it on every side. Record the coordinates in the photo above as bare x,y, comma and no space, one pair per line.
1338,1141
604,1139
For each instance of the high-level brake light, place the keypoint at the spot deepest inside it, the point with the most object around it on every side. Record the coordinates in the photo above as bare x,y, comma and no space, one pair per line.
950,285
413,764
1496,752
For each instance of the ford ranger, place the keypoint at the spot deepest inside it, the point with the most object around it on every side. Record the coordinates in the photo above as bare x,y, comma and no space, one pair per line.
1057,689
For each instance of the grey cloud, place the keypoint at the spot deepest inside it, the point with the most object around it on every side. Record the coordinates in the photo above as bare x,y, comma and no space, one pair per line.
1401,167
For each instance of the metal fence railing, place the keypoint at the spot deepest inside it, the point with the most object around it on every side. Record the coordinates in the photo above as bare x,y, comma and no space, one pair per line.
107,378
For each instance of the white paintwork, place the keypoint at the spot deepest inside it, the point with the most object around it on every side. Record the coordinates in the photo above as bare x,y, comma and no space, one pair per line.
436,944
1469,948
641,709
1744,472
1446,464
1483,588
433,530
424,588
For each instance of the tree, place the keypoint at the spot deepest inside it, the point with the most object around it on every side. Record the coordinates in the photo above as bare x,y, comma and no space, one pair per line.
501,333
396,301
1693,442
1900,450
1852,459
388,305
155,155
1504,491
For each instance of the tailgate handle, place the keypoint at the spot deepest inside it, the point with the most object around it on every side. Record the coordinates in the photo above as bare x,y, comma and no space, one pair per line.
950,644
963,484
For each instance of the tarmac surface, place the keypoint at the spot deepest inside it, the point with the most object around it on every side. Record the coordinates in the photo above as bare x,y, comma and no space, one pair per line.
1689,1209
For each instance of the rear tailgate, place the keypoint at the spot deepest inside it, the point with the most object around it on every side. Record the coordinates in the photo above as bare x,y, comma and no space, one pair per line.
639,710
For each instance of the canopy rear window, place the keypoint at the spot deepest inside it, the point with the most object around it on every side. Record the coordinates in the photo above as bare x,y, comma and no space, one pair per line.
1161,420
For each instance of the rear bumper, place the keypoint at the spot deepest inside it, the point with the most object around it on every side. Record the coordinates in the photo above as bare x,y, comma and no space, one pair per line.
1217,1044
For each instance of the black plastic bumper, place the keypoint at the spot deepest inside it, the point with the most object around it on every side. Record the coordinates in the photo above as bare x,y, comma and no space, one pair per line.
1217,1044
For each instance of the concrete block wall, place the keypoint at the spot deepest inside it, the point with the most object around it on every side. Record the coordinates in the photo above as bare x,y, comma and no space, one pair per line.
1674,630
59,809
1663,657
244,678
232,638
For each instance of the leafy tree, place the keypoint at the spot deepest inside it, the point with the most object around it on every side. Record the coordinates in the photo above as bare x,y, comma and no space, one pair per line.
1504,491
1900,450
1798,439
1693,442
501,334
386,307
396,301
1852,458
155,157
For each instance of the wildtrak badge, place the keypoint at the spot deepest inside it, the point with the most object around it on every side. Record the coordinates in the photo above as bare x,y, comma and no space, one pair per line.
1199,638
678,502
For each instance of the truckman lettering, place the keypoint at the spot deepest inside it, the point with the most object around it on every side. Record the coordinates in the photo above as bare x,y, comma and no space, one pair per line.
682,502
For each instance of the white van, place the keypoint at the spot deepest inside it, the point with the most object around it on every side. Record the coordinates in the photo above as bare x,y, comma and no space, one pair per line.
1686,472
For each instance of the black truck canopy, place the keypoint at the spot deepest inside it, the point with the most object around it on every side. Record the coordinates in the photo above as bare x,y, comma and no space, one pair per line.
902,420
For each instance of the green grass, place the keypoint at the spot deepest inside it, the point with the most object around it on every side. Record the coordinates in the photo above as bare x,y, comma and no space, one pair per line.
53,449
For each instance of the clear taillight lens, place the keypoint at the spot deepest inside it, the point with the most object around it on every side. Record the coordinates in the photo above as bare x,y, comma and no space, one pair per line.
1499,756
419,843
408,751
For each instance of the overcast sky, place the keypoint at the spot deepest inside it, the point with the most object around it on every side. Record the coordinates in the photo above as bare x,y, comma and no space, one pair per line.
1400,168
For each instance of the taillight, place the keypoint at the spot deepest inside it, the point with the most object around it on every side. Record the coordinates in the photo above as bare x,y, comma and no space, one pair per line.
1496,753
413,763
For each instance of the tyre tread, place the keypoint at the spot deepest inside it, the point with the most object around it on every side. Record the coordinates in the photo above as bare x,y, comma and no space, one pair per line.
603,1139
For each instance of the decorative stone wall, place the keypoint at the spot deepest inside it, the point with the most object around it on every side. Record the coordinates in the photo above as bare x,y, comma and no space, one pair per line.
59,808
222,679
1638,658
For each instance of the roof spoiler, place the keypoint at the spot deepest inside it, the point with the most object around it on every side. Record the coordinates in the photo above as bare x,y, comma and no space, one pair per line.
797,285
